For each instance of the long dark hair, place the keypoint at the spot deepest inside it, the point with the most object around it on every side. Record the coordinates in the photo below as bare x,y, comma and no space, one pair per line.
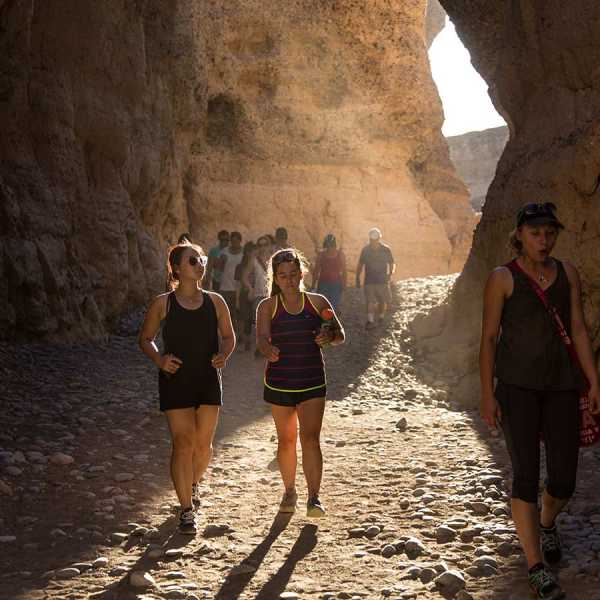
281,256
174,255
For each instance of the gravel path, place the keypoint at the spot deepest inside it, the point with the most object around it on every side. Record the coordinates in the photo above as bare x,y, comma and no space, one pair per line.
415,490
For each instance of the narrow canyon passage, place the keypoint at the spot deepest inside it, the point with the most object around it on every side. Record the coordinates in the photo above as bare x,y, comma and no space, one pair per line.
414,488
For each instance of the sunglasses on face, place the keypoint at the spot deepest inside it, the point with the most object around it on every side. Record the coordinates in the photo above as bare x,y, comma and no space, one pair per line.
194,260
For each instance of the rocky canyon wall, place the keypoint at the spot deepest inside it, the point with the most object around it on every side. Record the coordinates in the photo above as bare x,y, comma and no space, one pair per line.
322,116
95,102
475,156
541,61
125,122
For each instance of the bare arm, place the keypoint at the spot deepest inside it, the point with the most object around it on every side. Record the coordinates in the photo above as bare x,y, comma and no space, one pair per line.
208,277
316,272
263,330
154,316
581,339
344,270
497,289
337,335
226,332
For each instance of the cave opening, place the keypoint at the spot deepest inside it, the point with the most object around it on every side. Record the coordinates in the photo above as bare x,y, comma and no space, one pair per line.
476,133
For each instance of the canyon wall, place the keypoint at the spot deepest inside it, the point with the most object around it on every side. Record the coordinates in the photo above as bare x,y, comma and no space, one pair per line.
126,122
541,61
475,156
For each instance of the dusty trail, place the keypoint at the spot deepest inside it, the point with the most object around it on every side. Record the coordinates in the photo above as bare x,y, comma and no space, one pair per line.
413,488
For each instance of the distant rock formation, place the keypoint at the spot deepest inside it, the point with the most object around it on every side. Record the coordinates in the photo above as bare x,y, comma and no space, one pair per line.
475,155
124,123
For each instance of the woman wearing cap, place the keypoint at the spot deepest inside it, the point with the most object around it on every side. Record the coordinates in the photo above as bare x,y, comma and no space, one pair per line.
537,385
189,380
290,336
329,277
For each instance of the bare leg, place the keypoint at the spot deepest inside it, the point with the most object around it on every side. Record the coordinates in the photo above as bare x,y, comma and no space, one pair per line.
182,426
206,423
526,518
551,507
310,415
286,423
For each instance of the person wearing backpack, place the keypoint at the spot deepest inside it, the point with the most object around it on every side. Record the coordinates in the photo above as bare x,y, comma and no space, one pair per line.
538,384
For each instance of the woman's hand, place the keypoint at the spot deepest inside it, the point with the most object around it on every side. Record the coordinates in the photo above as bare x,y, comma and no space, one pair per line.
325,337
219,361
170,364
490,411
271,353
594,398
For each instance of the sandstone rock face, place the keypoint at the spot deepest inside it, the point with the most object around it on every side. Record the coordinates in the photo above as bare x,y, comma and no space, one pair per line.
95,102
124,123
323,117
475,156
541,62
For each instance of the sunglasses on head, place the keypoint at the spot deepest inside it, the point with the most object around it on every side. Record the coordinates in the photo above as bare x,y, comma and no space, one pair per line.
282,257
194,260
536,208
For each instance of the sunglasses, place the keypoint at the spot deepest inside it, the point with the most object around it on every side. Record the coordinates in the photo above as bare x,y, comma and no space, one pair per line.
535,209
194,260
282,257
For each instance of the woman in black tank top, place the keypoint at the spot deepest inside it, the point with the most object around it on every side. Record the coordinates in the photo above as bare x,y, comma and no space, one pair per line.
537,387
189,378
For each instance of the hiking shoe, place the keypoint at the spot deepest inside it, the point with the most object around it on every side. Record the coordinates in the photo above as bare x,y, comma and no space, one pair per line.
196,500
544,583
288,502
551,546
314,508
187,522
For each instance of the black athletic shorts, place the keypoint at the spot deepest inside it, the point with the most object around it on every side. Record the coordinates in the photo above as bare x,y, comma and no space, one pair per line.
181,390
292,398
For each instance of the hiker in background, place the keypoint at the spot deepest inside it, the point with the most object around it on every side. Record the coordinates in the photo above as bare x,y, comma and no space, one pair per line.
378,262
189,381
290,332
213,271
330,275
538,385
254,277
228,262
244,300
281,239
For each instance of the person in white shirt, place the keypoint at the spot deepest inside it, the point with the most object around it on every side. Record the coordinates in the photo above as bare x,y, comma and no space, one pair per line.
228,261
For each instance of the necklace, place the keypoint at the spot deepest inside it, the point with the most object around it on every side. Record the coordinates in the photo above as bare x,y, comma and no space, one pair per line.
542,278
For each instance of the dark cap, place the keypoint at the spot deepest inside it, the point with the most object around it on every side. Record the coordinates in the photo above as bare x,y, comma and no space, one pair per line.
543,213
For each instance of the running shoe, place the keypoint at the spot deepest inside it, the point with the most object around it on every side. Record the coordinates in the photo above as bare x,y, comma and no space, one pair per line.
187,522
544,584
551,546
288,502
196,500
314,508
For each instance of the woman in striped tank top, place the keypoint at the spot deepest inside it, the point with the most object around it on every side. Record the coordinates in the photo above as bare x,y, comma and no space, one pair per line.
290,335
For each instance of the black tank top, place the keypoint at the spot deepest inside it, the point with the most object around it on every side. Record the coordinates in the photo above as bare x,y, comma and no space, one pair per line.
192,336
530,354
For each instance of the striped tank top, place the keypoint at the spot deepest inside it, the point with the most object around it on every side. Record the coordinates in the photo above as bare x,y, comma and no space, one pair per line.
300,366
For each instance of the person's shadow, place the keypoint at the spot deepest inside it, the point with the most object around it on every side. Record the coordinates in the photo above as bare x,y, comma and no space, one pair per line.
304,545
241,575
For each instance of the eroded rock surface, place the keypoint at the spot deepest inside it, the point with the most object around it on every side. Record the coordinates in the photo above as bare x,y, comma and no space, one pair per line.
475,155
125,123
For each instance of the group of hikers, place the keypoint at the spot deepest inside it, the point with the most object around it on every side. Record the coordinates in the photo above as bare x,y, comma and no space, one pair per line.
530,383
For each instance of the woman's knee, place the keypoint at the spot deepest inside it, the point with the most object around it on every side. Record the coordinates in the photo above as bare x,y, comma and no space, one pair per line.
203,448
526,490
286,441
183,443
310,439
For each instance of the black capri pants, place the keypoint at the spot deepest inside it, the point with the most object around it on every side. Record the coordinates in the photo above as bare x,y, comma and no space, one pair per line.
526,413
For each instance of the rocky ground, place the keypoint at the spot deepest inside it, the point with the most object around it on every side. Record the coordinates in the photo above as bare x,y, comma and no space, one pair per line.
415,489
